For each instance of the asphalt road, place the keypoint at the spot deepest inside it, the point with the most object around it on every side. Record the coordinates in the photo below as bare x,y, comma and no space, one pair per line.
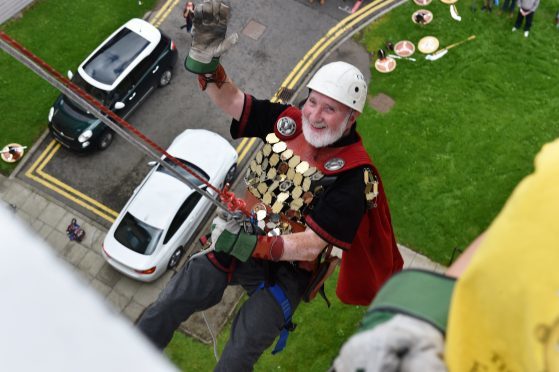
274,36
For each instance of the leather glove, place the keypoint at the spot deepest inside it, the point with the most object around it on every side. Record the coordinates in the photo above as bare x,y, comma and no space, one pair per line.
208,36
228,237
403,344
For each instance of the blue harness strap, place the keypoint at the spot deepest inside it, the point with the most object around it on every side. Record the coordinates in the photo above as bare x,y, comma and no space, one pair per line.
283,302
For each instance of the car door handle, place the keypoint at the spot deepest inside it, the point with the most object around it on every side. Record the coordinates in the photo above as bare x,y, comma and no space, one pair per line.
132,96
155,70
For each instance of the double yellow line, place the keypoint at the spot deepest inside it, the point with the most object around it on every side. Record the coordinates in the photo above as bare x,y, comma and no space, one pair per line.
63,189
36,171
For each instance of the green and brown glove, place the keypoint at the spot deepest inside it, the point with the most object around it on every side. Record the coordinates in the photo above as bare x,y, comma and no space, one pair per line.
208,36
229,237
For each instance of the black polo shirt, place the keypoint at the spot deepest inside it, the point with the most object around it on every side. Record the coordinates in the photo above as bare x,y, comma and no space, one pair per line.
337,213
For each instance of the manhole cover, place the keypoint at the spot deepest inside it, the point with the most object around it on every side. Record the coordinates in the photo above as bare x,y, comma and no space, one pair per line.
254,30
381,102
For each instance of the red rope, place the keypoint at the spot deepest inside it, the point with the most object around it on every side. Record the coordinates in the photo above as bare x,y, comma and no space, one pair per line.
225,195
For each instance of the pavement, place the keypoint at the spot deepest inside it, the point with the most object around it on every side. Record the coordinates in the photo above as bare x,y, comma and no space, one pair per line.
50,217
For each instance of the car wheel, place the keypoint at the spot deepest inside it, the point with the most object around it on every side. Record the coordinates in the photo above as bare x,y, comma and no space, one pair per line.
176,257
230,176
105,139
165,78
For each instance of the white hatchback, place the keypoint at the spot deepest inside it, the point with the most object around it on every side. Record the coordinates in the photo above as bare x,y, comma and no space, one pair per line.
149,234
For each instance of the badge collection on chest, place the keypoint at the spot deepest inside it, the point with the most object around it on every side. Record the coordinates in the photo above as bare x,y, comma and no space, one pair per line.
283,183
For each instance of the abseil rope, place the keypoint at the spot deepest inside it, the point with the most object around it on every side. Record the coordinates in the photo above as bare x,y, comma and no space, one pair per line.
125,130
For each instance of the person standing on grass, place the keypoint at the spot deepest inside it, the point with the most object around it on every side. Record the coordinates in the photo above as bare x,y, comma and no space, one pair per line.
311,187
495,309
508,7
526,10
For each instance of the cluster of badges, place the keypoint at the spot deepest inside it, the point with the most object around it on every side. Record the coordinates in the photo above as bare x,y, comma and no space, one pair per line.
282,181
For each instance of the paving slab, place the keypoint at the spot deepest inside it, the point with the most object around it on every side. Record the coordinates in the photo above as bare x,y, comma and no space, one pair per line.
127,286
52,214
133,311
118,300
75,253
34,205
91,264
57,240
108,275
100,287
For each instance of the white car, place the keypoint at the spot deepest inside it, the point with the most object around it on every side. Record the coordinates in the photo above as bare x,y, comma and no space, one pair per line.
149,234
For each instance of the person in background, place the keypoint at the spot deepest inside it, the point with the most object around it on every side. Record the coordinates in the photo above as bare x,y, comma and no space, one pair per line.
526,11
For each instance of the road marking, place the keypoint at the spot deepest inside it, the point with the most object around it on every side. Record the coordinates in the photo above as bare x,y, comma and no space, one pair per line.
54,184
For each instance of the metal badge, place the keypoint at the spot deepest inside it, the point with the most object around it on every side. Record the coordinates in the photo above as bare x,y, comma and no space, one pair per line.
334,164
272,138
286,155
271,173
285,228
262,188
296,204
290,174
254,192
253,165
285,185
277,207
286,126
260,211
283,197
267,198
267,149
294,161
316,176
258,157
302,167
270,225
279,147
283,168
309,172
252,181
274,160
265,164
297,192
308,197
293,214
298,179
306,184
274,186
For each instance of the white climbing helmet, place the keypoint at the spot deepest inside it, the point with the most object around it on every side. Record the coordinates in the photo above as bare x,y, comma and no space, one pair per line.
342,82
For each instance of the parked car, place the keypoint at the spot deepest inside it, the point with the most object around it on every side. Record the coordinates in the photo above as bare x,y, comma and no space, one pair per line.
149,234
120,73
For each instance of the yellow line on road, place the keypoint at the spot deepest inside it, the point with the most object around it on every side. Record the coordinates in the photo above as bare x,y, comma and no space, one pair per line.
161,11
68,188
166,14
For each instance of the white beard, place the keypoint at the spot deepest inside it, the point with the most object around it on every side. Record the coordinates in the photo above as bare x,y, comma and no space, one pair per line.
324,139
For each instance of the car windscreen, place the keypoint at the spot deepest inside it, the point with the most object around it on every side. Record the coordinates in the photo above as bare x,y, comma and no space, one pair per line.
137,235
183,172
115,56
98,94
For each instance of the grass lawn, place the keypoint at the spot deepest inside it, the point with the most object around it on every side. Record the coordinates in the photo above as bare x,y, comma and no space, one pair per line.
62,33
465,128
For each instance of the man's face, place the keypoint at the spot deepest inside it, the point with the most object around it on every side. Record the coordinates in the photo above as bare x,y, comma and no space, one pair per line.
325,120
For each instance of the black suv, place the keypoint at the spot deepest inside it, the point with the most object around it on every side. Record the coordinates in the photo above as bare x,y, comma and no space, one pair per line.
120,73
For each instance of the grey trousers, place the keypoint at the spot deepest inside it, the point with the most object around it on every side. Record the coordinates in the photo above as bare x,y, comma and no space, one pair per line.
199,285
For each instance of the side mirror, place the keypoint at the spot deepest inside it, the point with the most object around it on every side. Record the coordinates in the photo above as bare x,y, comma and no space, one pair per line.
70,75
119,105
152,163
